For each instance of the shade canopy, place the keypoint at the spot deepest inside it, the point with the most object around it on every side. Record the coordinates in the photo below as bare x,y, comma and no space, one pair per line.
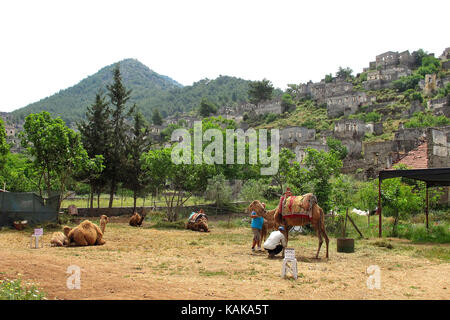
433,177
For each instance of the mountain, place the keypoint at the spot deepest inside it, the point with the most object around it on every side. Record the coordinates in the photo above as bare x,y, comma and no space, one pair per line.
149,90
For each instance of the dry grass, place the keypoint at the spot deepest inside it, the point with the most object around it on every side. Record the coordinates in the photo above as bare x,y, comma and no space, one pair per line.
147,263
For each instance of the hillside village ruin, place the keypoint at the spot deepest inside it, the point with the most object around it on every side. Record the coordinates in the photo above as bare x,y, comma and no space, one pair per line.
341,99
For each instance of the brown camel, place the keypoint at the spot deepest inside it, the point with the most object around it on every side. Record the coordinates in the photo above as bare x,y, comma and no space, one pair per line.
317,220
269,224
198,222
87,233
136,219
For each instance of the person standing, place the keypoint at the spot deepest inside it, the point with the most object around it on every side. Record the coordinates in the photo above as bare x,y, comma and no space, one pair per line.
257,224
276,242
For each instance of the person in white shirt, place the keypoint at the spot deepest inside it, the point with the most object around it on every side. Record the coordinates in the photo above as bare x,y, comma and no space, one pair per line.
276,242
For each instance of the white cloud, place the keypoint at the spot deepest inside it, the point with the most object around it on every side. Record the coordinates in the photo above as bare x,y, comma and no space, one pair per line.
50,45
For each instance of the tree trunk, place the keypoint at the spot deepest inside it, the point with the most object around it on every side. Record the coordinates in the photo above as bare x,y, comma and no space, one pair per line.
394,227
111,194
91,198
98,200
134,200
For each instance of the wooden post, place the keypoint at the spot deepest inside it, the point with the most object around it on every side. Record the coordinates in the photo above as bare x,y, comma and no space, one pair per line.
426,212
379,207
354,224
345,224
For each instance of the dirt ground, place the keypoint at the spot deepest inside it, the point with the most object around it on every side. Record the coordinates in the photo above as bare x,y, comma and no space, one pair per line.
146,263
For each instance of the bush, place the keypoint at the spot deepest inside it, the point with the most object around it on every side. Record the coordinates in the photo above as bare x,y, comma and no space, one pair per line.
424,120
419,233
14,290
251,190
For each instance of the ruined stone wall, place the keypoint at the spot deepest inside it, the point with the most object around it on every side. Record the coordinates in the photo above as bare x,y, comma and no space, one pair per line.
438,152
346,104
440,106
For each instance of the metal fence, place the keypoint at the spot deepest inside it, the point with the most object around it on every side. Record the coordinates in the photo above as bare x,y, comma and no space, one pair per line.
17,206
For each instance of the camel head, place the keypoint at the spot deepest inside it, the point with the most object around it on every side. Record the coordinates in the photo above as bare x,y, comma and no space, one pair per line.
103,221
258,207
67,230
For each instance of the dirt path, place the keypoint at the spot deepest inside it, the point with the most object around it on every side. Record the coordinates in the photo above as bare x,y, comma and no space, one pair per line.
181,264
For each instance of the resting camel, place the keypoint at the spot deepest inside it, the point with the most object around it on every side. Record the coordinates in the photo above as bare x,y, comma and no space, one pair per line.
317,220
136,219
198,222
87,233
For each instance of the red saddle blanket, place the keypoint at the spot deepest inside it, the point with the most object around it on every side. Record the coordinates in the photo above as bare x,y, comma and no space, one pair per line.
295,206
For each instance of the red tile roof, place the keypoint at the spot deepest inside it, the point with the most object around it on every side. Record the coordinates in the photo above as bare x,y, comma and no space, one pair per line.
416,159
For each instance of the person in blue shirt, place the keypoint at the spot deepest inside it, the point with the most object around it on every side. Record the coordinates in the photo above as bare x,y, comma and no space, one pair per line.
257,224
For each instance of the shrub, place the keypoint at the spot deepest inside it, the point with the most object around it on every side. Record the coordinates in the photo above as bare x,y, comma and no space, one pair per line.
419,233
251,190
14,290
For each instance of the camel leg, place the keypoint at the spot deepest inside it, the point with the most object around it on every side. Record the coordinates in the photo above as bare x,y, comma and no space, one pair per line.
322,227
286,232
319,235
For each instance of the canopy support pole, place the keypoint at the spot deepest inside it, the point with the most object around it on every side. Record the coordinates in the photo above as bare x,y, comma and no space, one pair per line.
426,212
379,208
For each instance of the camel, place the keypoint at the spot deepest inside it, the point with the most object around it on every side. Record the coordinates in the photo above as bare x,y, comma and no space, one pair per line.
59,239
87,233
136,219
317,220
198,222
269,224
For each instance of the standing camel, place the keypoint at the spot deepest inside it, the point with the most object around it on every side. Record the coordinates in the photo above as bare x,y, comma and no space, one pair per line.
269,224
309,203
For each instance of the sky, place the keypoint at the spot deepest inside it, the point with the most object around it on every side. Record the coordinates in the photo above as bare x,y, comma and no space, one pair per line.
47,46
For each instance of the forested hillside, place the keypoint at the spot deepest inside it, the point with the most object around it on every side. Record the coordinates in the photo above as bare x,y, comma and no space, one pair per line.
149,90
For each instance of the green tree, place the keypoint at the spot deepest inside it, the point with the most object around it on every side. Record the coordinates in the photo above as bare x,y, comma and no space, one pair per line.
4,146
218,190
95,135
207,108
287,103
116,157
252,189
136,178
344,73
57,151
328,78
18,174
260,91
156,117
284,168
322,166
337,147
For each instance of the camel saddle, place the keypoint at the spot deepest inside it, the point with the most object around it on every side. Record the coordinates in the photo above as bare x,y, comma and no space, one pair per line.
291,206
197,216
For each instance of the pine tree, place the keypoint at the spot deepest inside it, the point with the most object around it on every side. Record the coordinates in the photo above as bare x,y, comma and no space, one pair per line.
156,118
95,133
139,142
116,157
260,91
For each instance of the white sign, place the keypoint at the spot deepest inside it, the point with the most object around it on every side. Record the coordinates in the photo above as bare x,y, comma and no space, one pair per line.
38,232
289,253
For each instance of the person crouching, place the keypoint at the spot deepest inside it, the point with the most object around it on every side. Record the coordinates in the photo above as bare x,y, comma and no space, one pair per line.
276,242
